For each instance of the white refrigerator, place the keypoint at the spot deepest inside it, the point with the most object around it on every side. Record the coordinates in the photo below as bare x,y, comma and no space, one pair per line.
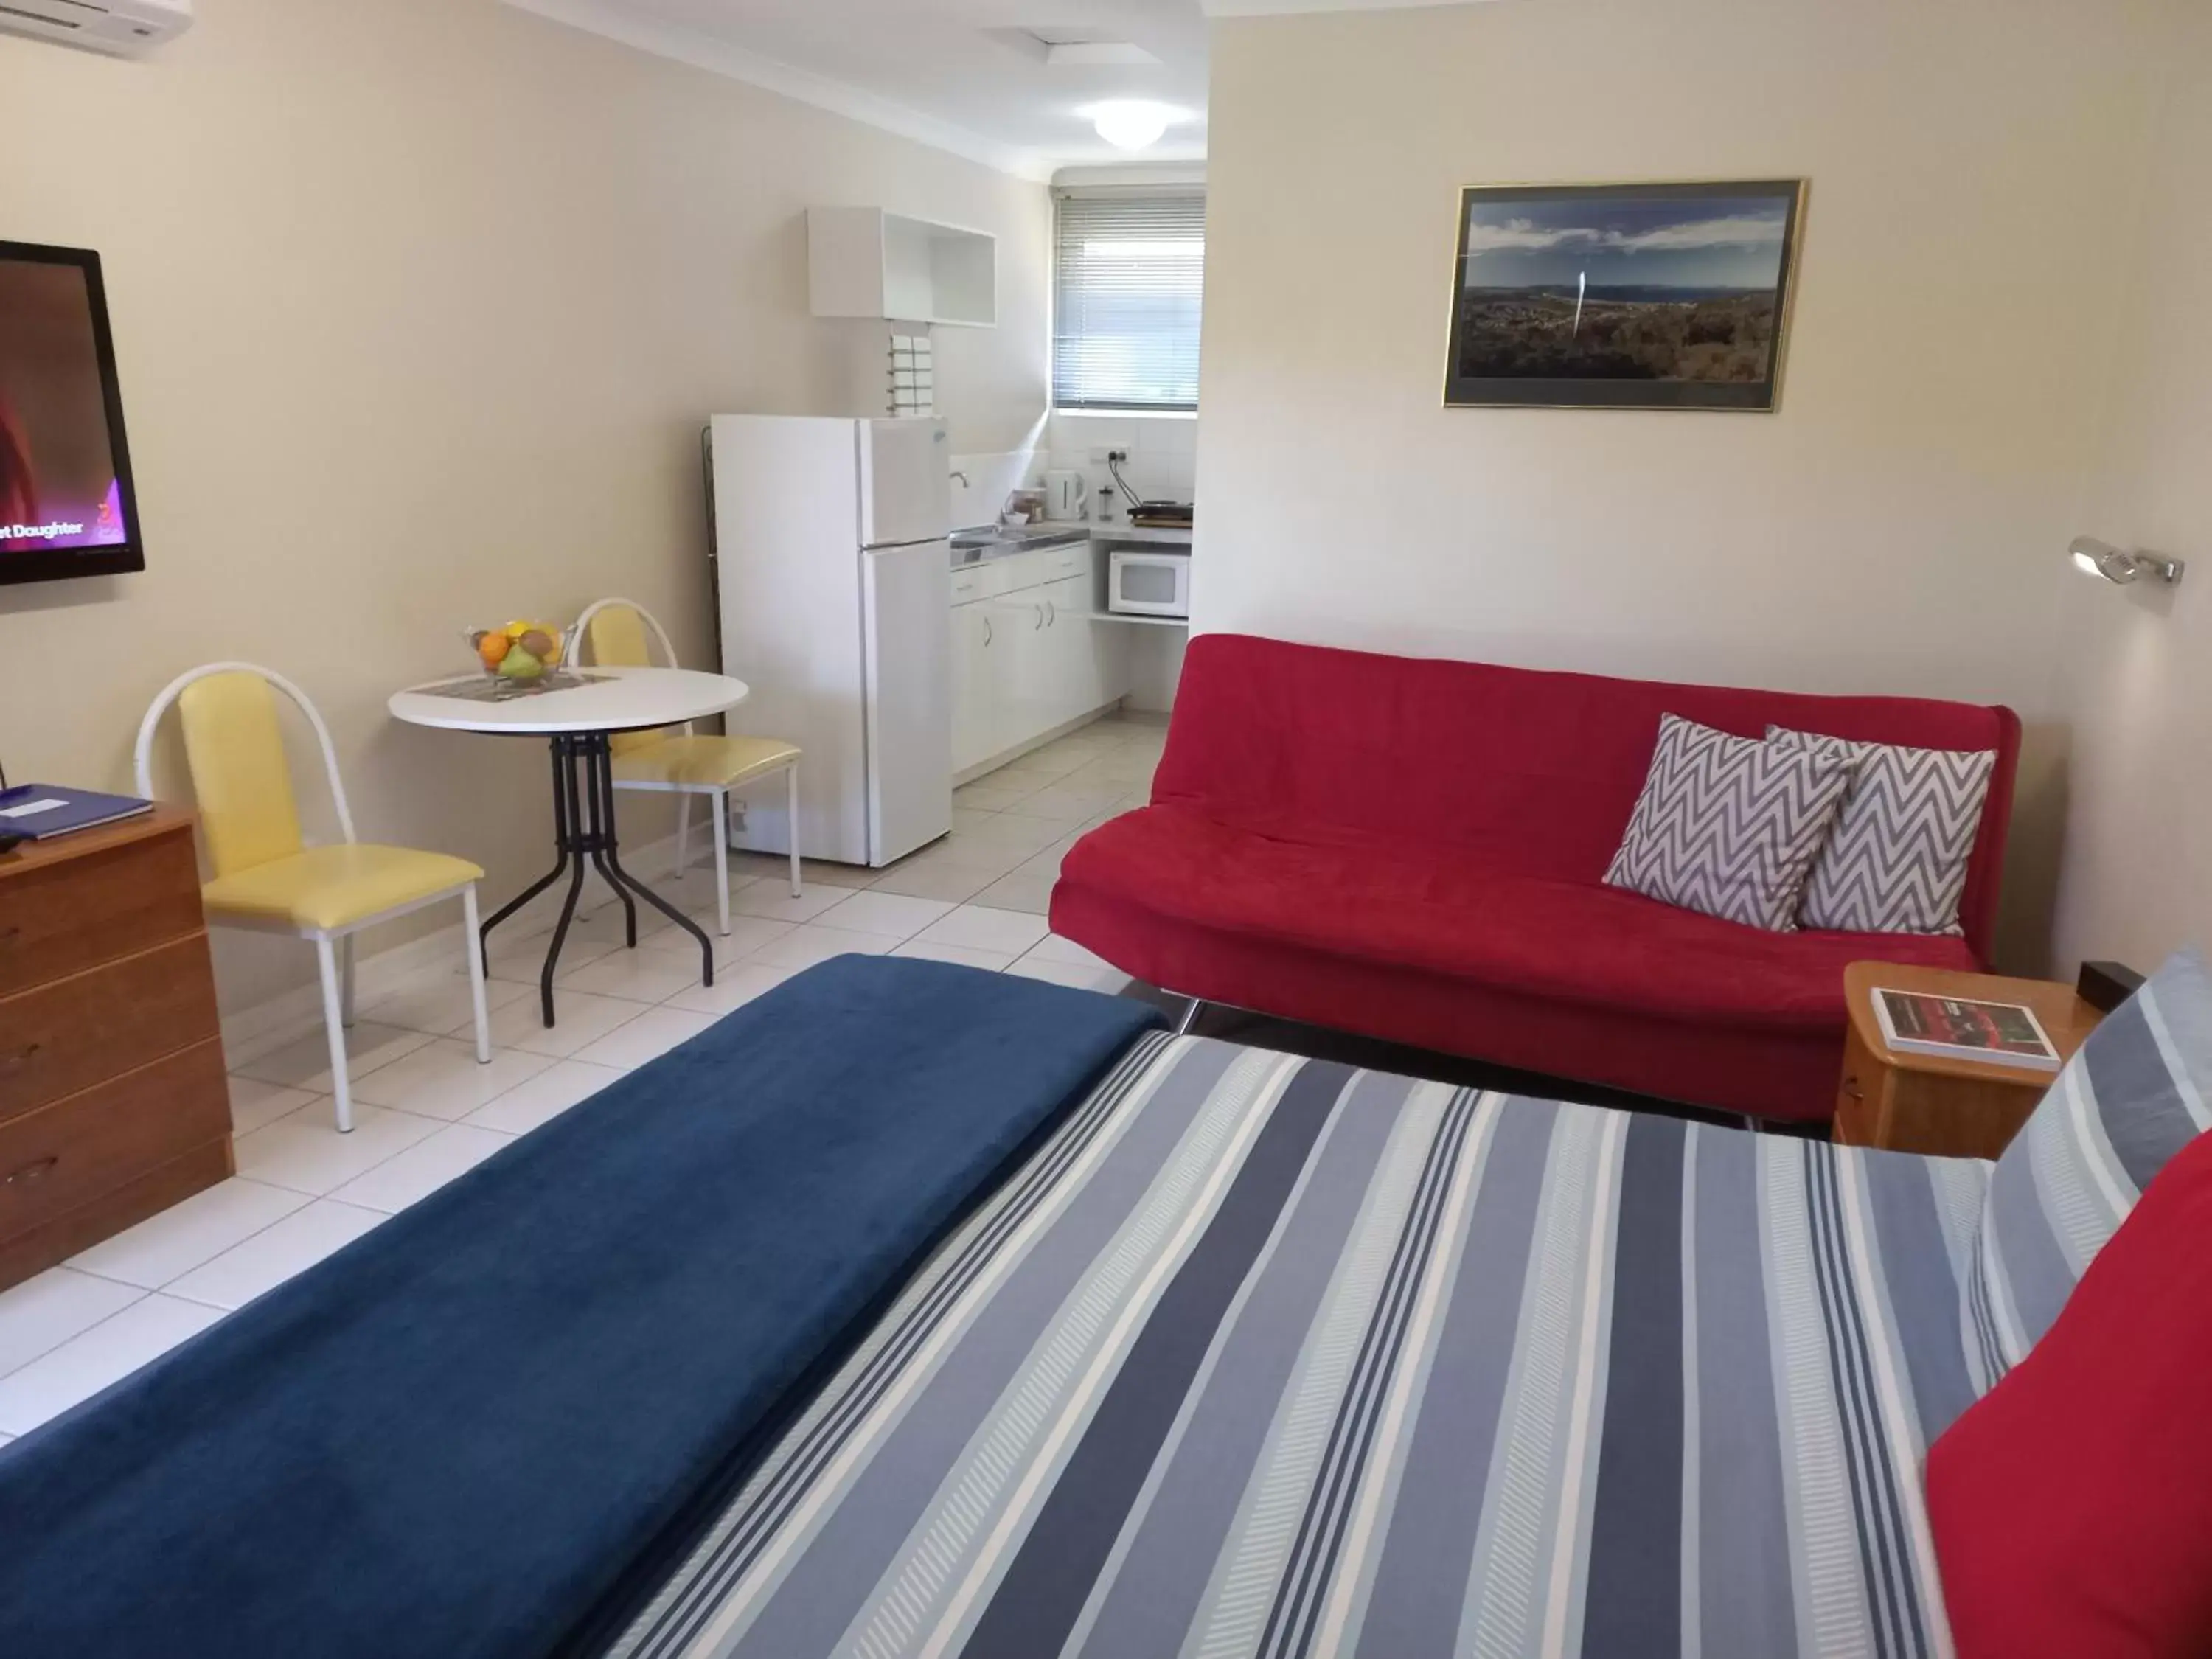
833,585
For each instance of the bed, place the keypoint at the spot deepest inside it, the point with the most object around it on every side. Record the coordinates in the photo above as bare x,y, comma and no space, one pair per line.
1260,1356
914,1310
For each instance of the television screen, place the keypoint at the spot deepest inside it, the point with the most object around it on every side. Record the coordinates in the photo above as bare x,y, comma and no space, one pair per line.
66,504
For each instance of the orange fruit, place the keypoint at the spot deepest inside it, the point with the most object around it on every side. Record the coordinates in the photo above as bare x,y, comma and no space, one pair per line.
493,648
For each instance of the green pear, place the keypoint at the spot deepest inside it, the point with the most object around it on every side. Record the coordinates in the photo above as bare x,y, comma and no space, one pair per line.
519,665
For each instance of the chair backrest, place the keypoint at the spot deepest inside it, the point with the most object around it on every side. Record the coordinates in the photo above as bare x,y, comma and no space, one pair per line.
1527,771
234,748
621,634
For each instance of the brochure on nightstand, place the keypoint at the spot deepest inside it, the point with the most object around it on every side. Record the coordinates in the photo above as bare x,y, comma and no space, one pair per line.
1960,1027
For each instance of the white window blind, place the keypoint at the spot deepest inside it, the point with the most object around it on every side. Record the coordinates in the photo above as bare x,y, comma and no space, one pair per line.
1128,284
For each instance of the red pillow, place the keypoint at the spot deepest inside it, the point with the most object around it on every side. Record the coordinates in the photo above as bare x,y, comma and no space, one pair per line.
2072,1504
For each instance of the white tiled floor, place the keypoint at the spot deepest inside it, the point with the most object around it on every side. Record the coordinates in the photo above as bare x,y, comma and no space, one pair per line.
583,1019
425,1111
423,1168
306,1153
275,1253
191,1233
550,1093
81,1368
44,1312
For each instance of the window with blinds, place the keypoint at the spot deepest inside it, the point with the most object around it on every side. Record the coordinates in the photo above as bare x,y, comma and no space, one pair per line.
1128,282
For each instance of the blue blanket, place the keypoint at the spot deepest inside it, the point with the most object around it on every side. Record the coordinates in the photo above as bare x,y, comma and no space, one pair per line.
454,1437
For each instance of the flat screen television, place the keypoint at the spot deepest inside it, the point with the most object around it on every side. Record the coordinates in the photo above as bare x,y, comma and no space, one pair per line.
67,507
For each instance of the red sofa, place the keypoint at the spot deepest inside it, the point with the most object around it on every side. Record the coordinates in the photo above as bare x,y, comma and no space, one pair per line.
1416,850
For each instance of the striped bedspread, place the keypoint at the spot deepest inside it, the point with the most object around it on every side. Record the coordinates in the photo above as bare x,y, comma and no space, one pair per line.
1261,1356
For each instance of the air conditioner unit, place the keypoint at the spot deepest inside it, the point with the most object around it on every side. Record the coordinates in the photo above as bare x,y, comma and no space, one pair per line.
122,28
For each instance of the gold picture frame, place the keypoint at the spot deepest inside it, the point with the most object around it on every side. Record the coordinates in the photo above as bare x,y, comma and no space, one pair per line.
1671,295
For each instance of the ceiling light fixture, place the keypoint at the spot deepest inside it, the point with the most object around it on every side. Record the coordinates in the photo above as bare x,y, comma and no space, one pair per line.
1132,124
2095,558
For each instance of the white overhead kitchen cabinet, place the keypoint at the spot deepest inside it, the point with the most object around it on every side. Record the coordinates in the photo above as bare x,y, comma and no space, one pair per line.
866,262
1028,659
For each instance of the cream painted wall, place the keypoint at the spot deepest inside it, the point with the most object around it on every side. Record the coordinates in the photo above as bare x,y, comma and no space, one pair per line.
2137,662
420,305
1892,528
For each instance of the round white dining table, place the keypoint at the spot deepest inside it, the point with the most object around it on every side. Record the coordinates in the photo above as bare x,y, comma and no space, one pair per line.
579,719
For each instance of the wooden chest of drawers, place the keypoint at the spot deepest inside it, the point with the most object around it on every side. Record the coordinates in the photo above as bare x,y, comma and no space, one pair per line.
112,1100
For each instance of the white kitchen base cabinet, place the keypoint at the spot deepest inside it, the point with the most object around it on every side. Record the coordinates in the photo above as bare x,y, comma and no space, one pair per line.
980,682
1028,659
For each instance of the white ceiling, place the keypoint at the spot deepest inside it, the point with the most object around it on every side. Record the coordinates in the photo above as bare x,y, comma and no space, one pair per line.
968,75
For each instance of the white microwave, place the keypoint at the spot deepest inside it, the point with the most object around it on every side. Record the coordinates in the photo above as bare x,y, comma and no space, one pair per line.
1139,584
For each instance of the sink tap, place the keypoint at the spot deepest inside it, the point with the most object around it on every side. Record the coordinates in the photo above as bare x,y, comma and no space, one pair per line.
963,477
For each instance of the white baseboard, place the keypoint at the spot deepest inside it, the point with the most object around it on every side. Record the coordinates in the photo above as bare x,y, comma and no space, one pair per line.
1030,745
299,1012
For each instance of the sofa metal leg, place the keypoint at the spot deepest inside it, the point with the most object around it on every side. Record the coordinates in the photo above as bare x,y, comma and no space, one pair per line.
1189,1017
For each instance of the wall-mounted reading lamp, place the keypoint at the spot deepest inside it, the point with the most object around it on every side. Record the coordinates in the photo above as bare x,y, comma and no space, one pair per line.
2098,558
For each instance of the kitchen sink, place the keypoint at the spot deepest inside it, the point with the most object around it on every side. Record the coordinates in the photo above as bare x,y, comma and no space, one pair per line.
999,542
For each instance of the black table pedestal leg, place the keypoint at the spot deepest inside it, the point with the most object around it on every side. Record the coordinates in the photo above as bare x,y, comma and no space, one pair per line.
562,840
624,881
568,809
584,833
598,784
610,865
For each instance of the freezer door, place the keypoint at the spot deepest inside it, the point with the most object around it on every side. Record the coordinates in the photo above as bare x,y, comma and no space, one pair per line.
906,482
908,634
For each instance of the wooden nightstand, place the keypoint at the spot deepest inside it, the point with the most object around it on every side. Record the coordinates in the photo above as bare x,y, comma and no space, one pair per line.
1944,1108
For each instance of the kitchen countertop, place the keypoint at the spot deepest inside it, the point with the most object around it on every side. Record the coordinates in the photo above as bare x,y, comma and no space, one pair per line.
983,544
1174,536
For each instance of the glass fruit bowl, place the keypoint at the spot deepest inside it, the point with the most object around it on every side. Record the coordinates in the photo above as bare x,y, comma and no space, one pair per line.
520,651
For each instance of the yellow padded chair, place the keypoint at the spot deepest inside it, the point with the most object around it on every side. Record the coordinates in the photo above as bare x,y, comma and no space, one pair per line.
676,761
267,878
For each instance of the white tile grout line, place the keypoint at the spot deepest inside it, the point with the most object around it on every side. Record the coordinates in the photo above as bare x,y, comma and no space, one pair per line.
321,1102
170,1291
44,1353
163,1289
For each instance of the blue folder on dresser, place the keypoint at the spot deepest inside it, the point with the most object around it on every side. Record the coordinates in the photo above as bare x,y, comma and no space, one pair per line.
456,1435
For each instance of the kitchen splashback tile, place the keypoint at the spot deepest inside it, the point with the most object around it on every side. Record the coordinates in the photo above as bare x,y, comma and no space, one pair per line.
991,479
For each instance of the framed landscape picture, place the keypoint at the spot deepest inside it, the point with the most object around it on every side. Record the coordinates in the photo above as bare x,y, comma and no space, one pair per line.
1623,296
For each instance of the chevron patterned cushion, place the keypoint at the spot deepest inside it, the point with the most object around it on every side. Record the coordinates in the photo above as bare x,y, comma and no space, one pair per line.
1729,825
1897,861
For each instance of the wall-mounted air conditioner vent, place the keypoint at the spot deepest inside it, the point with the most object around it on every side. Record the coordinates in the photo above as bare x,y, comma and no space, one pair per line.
1065,48
1063,51
122,28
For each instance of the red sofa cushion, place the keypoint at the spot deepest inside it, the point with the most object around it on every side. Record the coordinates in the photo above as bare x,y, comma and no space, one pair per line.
1516,770
1402,906
2071,1506
1777,1073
